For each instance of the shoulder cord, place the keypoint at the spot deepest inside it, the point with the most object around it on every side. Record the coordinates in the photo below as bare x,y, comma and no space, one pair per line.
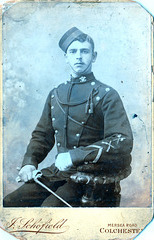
72,119
79,102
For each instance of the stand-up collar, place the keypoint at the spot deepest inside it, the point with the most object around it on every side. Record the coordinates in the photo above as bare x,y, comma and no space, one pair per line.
83,79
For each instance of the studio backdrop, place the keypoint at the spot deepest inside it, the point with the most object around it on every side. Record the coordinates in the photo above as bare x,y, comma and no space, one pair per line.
33,64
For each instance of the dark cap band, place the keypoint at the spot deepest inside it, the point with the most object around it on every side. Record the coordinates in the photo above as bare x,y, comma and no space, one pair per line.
69,37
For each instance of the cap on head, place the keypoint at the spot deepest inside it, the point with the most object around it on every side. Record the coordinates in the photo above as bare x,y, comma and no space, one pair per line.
69,37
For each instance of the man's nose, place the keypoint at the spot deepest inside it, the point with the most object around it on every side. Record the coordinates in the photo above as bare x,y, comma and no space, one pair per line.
78,55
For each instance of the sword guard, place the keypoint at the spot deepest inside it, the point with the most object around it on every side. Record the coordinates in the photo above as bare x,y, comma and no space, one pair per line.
37,174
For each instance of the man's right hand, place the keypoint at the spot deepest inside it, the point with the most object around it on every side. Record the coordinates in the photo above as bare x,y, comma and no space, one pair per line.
26,173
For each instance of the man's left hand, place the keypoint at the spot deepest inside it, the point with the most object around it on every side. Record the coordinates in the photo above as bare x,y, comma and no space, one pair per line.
63,161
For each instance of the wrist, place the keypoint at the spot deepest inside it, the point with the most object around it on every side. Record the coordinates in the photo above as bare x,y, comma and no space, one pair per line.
69,160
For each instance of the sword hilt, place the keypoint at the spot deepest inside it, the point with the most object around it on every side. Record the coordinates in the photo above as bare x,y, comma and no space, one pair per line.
36,174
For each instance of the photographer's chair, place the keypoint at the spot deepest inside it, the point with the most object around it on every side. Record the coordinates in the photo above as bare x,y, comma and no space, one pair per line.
101,189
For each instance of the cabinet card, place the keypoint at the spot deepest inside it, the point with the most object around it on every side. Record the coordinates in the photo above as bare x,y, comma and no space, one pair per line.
33,64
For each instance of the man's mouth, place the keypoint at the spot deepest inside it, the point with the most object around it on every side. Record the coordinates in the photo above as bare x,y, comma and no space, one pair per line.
80,63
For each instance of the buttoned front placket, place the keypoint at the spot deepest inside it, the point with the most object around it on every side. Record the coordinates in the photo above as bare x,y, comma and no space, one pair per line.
77,134
74,105
66,115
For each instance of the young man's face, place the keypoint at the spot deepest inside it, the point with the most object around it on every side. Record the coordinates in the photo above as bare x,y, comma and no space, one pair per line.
80,57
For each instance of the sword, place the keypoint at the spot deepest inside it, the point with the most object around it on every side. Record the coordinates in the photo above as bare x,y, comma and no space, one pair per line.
38,174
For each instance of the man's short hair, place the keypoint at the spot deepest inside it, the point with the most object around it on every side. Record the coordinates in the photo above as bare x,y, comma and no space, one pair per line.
84,38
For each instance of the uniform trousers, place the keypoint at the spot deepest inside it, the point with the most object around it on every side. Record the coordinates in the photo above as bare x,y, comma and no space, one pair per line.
32,194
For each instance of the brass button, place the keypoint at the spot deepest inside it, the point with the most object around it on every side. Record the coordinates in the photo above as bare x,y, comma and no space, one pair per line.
58,144
92,83
77,135
98,98
53,119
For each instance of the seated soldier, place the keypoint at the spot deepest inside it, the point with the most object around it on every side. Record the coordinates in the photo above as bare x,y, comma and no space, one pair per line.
92,132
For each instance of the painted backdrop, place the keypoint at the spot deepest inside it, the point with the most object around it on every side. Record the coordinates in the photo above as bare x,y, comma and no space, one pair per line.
33,64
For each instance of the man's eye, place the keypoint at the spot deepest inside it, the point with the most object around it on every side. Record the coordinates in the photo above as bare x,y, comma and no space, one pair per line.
85,51
72,51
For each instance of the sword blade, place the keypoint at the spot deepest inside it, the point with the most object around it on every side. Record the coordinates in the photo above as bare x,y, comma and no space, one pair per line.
49,190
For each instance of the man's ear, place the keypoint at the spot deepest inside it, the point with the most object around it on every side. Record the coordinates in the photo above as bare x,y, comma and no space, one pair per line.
66,59
94,56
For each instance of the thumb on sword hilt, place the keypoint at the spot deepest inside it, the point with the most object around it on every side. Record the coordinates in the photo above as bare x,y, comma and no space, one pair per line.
35,175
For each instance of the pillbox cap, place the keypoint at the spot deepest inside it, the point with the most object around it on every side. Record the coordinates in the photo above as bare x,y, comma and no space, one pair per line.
69,37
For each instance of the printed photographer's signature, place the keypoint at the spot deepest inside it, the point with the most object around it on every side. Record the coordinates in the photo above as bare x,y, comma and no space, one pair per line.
36,226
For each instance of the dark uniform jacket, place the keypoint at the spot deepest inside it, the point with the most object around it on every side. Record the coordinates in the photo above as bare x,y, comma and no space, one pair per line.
87,119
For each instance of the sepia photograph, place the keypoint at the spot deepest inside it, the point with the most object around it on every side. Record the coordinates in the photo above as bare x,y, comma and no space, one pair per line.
77,106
